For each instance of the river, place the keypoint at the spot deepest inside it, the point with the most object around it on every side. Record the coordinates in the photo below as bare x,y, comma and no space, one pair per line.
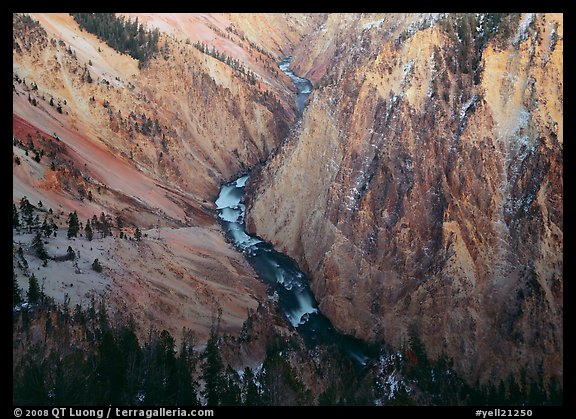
286,283
303,85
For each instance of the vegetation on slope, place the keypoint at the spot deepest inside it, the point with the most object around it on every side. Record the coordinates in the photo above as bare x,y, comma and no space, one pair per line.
125,36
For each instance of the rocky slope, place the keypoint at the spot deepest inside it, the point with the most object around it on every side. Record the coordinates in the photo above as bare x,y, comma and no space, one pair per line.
423,189
149,144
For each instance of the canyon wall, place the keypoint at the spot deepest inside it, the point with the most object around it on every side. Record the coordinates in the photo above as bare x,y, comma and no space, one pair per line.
148,143
423,190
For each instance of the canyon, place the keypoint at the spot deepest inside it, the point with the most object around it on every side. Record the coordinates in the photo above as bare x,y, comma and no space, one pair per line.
97,145
416,180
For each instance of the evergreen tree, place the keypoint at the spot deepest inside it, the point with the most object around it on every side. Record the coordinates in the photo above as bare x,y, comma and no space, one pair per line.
186,394
15,217
110,369
280,385
167,360
70,254
95,223
231,395
328,397
31,388
38,246
16,291
23,260
250,389
46,228
138,234
96,265
401,397
88,230
36,221
26,210
536,394
34,292
213,369
104,225
73,225
514,392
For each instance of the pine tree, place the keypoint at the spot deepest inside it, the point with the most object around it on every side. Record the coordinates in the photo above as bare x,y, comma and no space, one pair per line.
104,225
70,254
186,394
138,234
96,265
95,223
38,246
88,230
27,211
231,395
250,389
33,293
23,260
15,217
16,291
73,225
280,384
213,369
36,221
46,228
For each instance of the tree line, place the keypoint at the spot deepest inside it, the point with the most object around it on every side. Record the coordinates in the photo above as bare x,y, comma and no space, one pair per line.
125,36
99,360
229,61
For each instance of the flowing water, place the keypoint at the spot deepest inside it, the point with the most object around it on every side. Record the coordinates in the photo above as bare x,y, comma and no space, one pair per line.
303,85
287,285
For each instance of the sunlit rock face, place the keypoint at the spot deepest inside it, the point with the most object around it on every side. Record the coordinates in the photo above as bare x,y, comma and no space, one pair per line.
422,190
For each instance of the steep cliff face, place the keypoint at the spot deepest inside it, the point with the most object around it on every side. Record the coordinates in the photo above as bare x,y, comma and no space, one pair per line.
423,188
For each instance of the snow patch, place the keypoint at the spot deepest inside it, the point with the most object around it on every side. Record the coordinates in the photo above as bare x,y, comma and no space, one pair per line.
526,21
407,69
471,102
141,396
479,28
372,24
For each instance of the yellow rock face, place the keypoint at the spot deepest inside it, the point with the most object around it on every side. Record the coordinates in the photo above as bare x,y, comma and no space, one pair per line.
423,189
